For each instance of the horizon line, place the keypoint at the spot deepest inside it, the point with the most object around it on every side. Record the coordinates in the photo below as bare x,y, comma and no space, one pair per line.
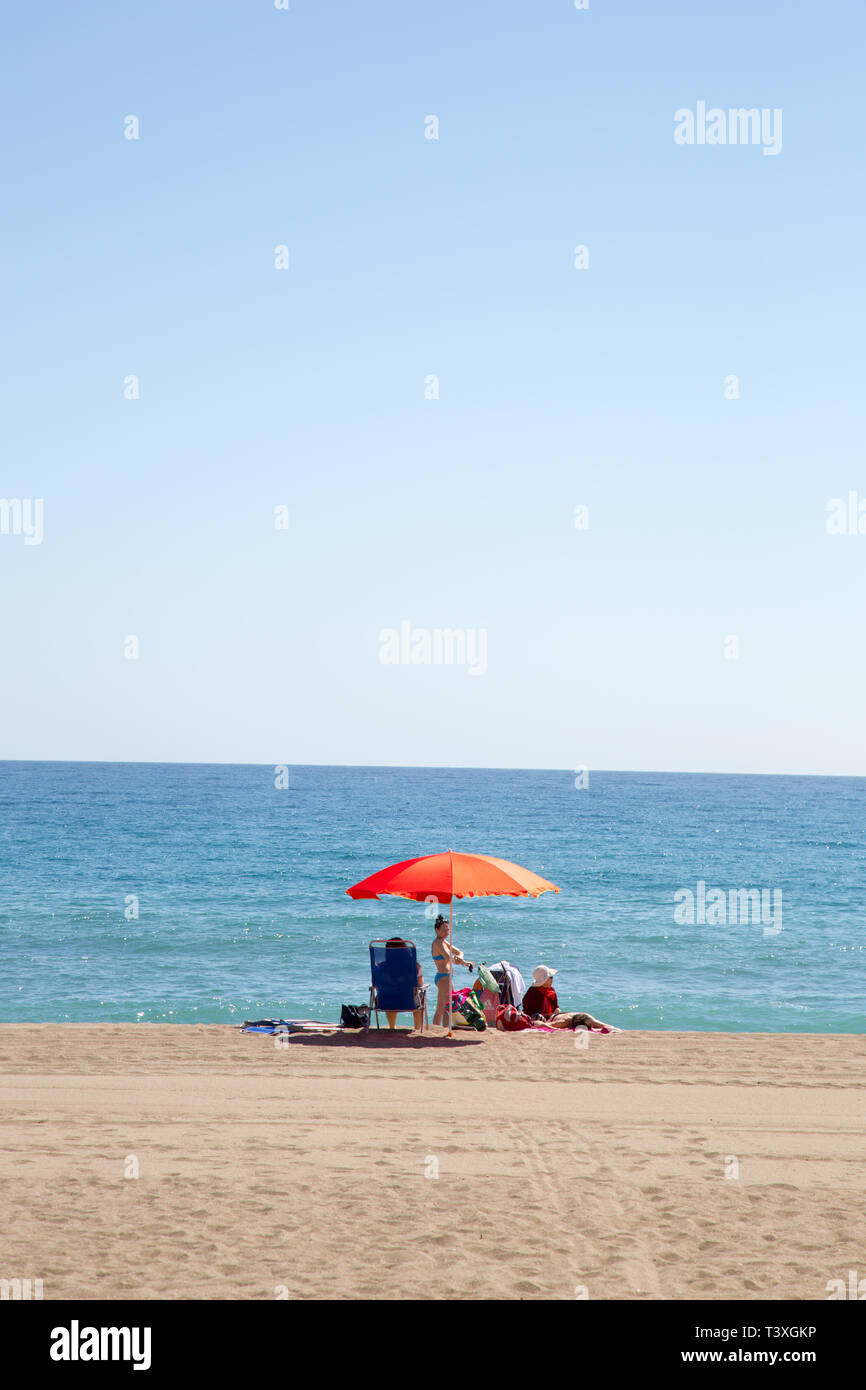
421,767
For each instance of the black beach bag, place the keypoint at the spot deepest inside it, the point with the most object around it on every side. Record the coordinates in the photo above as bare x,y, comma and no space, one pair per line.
354,1016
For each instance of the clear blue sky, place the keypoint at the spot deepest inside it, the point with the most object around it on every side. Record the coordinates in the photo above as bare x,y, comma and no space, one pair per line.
558,387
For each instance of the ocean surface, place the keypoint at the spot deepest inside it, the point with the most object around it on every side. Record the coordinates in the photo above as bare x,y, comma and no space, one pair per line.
207,894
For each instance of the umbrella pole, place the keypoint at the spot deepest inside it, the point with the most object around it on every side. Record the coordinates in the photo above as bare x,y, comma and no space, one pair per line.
451,962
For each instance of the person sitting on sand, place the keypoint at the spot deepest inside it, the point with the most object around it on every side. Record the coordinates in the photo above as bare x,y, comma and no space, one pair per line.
444,956
542,1005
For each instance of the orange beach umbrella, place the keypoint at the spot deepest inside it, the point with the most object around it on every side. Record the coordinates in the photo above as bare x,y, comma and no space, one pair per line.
444,877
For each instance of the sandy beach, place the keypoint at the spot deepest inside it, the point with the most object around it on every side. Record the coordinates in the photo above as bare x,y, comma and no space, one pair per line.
306,1171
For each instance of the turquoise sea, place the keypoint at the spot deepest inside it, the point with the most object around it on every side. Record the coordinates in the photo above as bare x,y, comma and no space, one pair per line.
239,890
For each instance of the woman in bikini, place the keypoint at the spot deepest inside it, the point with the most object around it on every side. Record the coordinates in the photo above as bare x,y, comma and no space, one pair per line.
444,956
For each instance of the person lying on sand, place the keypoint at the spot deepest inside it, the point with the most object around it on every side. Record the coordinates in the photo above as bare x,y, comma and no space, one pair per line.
542,1005
444,956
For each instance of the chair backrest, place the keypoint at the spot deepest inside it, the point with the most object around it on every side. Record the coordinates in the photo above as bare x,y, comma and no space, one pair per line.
394,971
500,975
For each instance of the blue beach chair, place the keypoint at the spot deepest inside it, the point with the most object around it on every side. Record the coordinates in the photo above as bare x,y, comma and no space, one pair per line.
394,972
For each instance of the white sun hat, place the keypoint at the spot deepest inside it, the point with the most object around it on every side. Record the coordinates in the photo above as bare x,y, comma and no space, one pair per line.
542,973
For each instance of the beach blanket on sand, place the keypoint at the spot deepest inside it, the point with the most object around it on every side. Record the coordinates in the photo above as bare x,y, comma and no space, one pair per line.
291,1025
564,1032
311,1025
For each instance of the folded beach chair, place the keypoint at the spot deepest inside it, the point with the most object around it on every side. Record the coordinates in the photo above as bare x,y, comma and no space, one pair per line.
394,972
